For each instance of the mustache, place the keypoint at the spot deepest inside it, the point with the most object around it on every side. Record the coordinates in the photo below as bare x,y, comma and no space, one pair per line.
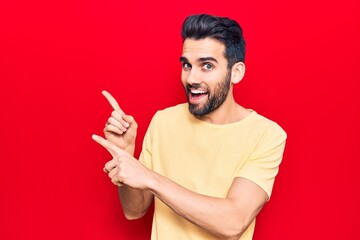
196,86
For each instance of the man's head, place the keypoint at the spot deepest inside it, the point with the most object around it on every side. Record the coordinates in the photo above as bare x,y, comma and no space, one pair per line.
212,60
222,29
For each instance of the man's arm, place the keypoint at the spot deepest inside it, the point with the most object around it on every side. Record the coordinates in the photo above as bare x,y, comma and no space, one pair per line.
121,129
227,218
134,202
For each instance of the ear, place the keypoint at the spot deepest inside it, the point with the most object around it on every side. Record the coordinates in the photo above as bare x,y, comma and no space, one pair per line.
237,72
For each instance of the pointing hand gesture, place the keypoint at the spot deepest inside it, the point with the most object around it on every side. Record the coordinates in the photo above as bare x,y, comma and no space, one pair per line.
123,168
120,129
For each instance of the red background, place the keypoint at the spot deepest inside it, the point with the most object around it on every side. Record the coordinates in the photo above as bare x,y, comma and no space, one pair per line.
56,57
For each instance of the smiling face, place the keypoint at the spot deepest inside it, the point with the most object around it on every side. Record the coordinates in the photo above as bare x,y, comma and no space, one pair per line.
205,75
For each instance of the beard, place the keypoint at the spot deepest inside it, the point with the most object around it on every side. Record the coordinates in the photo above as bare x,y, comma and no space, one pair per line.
215,98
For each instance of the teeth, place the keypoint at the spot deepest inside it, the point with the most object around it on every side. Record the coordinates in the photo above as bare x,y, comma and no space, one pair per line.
198,91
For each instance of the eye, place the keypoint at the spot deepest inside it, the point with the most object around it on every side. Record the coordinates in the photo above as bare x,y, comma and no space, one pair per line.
207,66
186,66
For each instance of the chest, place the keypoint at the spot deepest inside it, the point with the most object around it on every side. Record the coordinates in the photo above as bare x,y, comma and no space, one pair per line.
203,161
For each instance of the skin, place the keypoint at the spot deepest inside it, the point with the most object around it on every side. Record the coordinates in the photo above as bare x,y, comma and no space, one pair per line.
138,185
203,63
120,128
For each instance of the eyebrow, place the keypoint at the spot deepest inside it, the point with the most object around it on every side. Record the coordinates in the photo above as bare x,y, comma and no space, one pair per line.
206,59
202,59
183,59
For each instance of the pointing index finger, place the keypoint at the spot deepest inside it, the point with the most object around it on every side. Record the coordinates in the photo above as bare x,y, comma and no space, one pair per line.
113,150
114,104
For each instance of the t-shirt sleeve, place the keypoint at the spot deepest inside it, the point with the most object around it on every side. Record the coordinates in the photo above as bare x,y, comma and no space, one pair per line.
263,164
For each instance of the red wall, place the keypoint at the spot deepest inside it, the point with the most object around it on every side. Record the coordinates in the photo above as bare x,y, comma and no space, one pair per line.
56,57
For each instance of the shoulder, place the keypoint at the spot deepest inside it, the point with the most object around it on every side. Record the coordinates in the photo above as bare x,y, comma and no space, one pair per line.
267,128
171,113
168,118
180,108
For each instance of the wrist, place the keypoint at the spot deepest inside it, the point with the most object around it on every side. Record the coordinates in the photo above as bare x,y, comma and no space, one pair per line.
152,181
130,149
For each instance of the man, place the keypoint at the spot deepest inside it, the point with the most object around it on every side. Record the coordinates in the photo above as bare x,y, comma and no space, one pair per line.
209,164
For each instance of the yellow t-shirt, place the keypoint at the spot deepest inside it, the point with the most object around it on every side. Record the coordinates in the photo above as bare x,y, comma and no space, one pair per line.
205,158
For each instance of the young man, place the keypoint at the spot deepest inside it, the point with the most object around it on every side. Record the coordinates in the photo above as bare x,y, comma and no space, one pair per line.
209,164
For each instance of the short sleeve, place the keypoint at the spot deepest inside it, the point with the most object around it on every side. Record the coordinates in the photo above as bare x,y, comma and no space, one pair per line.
263,164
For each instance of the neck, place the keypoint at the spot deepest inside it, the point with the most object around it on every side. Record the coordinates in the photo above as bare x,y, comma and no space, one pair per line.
229,112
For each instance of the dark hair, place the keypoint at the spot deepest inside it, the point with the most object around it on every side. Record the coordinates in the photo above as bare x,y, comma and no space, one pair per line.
222,29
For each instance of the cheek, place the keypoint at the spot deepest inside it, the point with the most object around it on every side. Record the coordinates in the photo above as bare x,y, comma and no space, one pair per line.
184,76
214,77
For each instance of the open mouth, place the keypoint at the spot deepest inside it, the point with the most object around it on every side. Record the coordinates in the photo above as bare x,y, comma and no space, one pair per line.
196,95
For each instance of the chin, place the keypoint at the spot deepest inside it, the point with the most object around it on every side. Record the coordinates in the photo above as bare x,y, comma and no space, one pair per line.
198,111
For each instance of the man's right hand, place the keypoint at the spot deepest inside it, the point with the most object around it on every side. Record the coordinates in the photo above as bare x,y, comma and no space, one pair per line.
120,128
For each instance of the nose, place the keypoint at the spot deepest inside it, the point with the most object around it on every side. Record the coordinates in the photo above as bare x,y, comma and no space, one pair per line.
191,77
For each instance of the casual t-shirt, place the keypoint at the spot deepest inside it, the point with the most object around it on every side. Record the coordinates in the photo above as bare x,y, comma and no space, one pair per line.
205,158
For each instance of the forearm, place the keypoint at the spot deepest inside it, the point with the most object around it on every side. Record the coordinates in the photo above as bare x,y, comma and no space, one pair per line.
219,216
135,202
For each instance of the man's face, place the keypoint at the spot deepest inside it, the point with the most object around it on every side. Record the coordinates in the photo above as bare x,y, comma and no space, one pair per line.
205,75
